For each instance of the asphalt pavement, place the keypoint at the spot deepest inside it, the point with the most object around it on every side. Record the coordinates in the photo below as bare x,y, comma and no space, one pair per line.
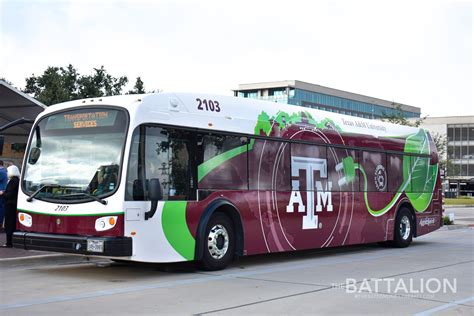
432,276
464,217
435,275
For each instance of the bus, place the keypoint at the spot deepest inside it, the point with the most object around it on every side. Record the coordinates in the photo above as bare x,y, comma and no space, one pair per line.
172,177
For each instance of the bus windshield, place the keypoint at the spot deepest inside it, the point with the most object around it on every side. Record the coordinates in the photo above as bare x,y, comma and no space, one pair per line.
76,155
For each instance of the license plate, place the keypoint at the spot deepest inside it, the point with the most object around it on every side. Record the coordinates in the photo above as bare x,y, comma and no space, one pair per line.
95,245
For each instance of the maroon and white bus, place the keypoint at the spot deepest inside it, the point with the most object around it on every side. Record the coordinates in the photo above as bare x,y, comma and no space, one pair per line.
175,177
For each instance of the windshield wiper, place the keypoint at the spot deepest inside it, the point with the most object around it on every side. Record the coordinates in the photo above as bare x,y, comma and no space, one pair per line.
95,198
31,197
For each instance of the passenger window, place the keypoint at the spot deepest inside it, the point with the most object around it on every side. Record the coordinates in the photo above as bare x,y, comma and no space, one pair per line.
164,154
224,162
341,168
395,173
420,174
309,170
374,166
269,165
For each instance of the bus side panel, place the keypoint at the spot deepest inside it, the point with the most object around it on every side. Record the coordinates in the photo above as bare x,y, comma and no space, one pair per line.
250,216
271,225
430,221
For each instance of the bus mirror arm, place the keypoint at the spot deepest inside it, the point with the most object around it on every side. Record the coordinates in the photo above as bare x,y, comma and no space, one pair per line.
155,194
151,212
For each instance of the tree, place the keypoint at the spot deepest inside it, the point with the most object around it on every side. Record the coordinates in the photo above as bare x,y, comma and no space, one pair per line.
439,140
398,118
59,84
100,84
441,143
138,88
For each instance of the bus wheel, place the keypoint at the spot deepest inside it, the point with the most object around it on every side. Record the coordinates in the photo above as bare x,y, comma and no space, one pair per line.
219,243
404,227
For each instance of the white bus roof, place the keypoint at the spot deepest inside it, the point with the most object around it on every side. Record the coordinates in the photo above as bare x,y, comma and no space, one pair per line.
232,114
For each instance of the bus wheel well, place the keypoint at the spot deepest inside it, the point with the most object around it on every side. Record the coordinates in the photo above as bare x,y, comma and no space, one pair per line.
408,206
229,210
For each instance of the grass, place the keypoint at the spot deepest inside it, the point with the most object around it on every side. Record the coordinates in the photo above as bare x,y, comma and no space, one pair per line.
459,201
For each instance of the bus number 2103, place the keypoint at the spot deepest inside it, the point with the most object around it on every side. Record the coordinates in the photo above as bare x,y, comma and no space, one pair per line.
208,105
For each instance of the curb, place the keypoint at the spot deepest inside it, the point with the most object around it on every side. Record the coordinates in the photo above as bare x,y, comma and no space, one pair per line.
44,259
458,206
456,226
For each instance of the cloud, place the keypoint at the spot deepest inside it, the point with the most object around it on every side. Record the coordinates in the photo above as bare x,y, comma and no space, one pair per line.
414,52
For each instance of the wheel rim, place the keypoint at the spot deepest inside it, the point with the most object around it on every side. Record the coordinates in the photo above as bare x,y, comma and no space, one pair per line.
218,242
405,227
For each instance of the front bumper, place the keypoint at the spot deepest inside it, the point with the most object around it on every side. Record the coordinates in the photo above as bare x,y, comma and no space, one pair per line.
113,246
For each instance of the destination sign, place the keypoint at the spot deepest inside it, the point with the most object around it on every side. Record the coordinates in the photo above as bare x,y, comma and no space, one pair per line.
82,119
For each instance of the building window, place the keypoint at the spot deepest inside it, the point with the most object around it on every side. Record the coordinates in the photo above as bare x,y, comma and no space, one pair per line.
464,132
457,133
450,152
450,134
471,133
471,152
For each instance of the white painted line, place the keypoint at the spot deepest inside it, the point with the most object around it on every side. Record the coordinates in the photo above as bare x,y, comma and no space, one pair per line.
445,306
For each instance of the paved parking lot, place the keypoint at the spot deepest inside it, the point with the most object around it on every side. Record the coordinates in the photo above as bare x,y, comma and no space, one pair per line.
362,279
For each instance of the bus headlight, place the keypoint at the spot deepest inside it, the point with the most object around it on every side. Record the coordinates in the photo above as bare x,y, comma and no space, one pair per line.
105,223
25,219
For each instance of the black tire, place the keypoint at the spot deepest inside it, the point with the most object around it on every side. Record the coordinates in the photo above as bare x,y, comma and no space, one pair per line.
385,244
218,243
404,228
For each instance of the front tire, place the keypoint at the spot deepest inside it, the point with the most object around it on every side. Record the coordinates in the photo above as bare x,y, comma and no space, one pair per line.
404,227
218,243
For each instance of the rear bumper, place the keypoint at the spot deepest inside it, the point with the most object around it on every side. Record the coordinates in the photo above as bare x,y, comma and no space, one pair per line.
113,246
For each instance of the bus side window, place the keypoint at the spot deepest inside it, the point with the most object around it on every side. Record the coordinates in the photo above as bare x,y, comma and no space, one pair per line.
224,163
395,173
407,165
166,156
343,180
134,190
304,158
269,165
374,165
419,171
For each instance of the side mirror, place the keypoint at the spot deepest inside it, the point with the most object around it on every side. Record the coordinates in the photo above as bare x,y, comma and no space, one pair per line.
154,194
35,153
154,190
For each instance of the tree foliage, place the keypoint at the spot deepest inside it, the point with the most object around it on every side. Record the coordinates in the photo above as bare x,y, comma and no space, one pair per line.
439,140
441,143
399,118
59,84
138,88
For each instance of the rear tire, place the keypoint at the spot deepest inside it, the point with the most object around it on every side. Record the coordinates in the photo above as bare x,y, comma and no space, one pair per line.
404,227
218,243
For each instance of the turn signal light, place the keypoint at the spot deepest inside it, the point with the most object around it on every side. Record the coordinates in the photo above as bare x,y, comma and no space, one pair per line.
105,223
25,219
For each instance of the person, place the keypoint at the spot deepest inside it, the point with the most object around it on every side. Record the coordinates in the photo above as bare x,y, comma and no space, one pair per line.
11,197
3,185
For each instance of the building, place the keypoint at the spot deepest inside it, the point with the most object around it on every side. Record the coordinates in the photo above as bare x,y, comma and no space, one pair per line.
459,133
324,98
15,106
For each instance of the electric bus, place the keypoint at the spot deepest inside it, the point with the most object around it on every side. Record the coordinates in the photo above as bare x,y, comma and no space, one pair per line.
172,177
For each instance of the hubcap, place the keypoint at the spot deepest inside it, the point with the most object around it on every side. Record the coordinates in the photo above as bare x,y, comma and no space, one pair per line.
405,227
218,242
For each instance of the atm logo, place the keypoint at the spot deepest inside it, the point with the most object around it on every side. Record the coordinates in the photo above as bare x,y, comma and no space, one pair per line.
318,197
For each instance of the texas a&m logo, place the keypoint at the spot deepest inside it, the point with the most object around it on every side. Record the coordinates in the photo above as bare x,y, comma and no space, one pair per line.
314,168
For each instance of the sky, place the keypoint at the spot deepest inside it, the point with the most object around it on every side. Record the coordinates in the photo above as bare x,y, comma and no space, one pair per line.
412,52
